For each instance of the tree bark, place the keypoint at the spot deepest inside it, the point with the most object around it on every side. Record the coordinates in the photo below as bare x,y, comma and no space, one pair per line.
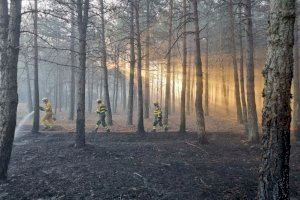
29,93
116,90
82,18
9,53
199,79
206,110
73,64
147,63
182,128
242,84
188,93
132,64
234,62
296,114
252,126
173,104
60,88
276,118
124,92
56,91
140,117
36,117
168,80
104,65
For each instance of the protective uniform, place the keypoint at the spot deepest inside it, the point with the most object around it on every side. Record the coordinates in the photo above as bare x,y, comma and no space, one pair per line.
157,117
47,119
101,111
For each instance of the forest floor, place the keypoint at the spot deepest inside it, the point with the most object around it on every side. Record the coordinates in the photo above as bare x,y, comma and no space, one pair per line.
130,166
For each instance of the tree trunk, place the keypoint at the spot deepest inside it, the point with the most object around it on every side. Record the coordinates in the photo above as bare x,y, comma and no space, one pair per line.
199,80
161,83
132,64
36,117
296,84
124,92
234,62
182,128
168,81
29,94
147,63
60,88
206,110
252,114
116,91
101,85
56,91
82,18
276,118
188,93
242,84
73,64
9,53
91,91
173,104
140,117
104,65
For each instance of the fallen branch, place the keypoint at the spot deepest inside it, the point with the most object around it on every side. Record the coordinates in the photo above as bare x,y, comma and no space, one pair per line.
193,145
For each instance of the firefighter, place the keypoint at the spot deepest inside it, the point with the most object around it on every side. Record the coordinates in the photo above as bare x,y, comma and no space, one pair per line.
101,111
47,119
157,117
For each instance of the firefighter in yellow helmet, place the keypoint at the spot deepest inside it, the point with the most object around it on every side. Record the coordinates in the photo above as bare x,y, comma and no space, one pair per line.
157,117
47,119
101,111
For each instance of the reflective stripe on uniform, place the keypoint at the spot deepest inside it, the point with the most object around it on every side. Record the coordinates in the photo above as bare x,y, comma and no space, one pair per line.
101,108
157,112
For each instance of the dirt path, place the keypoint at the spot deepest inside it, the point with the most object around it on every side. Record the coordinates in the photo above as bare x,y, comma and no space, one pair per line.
128,166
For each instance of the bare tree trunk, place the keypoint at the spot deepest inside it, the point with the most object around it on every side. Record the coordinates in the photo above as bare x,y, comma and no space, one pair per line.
124,92
9,53
199,80
73,63
242,84
36,117
116,91
66,96
168,81
82,18
252,114
161,84
132,64
173,104
101,85
91,92
147,63
194,77
104,65
29,94
221,62
234,62
296,82
182,128
206,110
188,93
140,117
276,118
56,91
60,88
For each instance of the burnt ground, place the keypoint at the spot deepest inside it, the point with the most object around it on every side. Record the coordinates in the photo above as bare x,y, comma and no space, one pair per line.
129,166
